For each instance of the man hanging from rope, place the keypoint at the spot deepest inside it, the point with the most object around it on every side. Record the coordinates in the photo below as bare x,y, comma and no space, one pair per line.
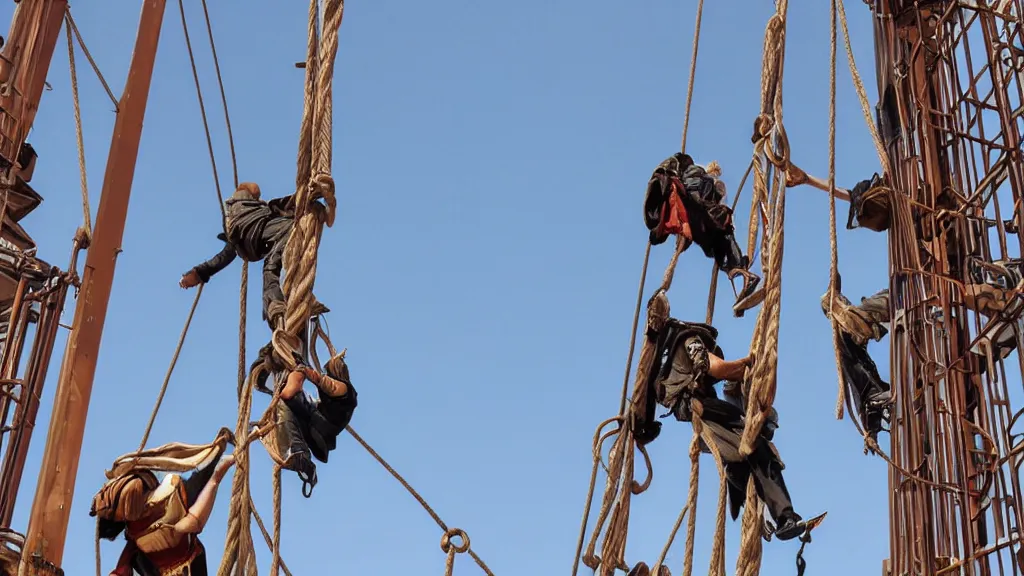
857,326
308,426
685,199
256,230
687,365
162,520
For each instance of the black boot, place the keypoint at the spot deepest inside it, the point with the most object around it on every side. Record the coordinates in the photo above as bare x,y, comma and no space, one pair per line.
749,296
790,525
291,443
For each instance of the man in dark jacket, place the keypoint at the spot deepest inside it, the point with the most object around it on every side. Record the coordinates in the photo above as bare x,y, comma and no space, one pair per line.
685,199
310,427
256,230
857,326
687,365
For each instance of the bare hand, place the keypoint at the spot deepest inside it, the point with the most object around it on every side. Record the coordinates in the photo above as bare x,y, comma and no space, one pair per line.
189,280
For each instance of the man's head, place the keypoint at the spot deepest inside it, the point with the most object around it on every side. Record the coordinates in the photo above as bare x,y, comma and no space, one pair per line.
251,189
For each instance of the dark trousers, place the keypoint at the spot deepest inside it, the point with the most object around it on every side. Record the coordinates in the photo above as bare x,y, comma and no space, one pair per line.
863,380
725,422
275,235
711,225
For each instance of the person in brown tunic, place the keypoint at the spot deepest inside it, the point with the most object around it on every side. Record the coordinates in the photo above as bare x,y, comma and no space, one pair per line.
162,519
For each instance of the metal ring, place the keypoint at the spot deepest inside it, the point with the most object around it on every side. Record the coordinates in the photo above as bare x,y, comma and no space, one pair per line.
447,544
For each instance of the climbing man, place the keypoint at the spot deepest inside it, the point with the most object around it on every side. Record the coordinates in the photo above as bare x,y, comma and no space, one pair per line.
995,289
162,520
687,365
993,285
857,326
685,199
308,426
256,230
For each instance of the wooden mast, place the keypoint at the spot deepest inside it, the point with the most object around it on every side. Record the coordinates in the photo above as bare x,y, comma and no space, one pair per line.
44,545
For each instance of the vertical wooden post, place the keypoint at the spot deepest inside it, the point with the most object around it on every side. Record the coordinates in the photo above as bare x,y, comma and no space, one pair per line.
24,64
48,523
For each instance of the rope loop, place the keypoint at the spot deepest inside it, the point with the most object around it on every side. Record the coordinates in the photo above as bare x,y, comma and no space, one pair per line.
448,543
763,125
321,185
779,154
285,345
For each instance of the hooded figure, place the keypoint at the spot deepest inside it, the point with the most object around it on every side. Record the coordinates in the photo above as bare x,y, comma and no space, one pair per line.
685,199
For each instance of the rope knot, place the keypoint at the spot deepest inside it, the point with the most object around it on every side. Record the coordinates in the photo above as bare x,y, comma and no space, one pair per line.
83,238
321,185
763,125
448,543
286,346
657,311
777,151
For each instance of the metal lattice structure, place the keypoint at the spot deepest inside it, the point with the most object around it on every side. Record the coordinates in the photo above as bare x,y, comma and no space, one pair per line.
951,87
32,292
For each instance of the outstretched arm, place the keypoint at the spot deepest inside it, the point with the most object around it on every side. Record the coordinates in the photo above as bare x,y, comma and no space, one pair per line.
199,513
728,369
203,272
330,386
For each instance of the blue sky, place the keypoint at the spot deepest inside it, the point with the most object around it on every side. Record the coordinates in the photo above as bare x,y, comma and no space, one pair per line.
491,160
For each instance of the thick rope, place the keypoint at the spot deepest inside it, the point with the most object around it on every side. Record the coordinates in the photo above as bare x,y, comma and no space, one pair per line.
86,210
275,559
622,455
314,162
748,562
833,241
691,498
717,567
92,62
238,553
761,379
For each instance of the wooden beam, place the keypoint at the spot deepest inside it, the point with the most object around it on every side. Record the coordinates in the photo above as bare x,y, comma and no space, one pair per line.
48,523
24,63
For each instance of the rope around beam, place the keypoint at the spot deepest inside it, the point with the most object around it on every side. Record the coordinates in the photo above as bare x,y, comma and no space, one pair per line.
86,210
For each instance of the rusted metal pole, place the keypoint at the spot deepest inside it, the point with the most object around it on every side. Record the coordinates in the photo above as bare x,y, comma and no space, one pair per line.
24,63
48,523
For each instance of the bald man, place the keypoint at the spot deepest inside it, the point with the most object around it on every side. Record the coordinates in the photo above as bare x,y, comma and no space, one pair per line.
256,230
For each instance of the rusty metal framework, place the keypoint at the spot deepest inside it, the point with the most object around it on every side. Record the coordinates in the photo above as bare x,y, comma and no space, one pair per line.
951,114
32,292
31,301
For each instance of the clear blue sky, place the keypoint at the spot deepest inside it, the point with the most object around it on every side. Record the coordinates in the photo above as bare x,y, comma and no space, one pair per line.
491,161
